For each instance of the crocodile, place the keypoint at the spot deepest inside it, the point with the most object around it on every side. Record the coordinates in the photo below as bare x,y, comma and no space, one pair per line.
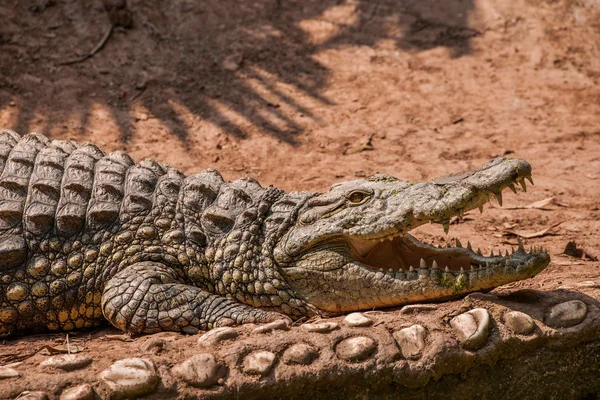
87,237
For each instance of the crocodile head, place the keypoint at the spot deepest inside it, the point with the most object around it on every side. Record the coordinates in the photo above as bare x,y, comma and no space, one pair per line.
349,249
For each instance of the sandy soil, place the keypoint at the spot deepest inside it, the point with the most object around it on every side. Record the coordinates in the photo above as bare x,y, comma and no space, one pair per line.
302,94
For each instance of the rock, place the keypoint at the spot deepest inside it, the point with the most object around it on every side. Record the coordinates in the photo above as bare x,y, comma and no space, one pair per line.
280,324
200,370
7,372
567,314
79,392
415,308
411,341
153,345
357,348
216,335
588,284
472,328
27,395
323,327
259,363
519,322
357,319
300,353
130,377
67,362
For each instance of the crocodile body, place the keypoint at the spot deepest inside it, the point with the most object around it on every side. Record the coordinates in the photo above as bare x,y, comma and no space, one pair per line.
87,237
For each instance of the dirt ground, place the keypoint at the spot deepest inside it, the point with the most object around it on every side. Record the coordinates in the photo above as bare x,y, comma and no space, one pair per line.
301,94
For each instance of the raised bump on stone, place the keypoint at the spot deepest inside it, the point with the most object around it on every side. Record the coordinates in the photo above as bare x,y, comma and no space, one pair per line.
32,395
415,308
130,377
472,328
411,341
300,353
567,314
519,322
357,319
217,335
8,372
200,370
356,349
280,324
259,363
79,392
322,327
67,362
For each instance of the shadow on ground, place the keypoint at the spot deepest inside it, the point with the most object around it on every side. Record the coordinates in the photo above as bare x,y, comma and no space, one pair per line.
238,65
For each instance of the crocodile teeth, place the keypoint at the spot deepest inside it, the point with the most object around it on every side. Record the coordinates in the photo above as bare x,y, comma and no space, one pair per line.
469,245
523,185
434,265
446,227
411,269
513,188
479,251
521,247
492,253
499,198
530,179
458,243
446,269
422,264
481,208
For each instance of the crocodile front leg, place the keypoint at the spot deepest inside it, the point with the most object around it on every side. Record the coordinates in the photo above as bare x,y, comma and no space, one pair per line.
149,297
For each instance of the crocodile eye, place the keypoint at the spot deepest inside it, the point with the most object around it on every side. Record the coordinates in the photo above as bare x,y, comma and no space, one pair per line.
357,197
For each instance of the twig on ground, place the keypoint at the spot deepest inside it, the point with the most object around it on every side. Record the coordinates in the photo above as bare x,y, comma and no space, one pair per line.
96,49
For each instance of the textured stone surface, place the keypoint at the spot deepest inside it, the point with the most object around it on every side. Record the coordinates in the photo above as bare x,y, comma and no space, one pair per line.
8,372
259,363
567,314
300,353
519,322
357,348
472,328
79,392
322,327
33,395
200,370
129,377
67,361
216,335
280,324
357,319
416,308
411,341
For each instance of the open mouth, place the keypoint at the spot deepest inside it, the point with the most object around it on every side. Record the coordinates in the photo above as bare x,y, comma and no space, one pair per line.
401,256
404,257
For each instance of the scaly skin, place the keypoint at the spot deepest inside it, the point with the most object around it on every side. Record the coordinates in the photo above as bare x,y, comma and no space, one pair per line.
86,236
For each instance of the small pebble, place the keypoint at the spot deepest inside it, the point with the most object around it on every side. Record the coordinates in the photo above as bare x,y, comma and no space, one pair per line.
216,335
280,324
201,370
411,341
153,345
472,328
7,372
79,392
259,363
322,327
300,353
36,395
67,362
357,348
519,322
357,320
567,314
130,377
415,308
